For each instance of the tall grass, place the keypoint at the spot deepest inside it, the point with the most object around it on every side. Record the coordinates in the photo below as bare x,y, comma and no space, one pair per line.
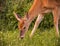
40,38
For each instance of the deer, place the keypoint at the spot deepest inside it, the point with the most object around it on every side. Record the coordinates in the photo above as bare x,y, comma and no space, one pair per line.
38,9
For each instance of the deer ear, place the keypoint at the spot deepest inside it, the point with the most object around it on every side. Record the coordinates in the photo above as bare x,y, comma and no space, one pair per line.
18,17
27,15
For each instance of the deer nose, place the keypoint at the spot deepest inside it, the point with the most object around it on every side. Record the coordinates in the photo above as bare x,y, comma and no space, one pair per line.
22,37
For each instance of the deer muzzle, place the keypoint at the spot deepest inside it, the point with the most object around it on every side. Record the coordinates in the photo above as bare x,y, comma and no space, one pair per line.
22,33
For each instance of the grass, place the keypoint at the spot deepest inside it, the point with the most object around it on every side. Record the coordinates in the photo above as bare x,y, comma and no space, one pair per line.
40,38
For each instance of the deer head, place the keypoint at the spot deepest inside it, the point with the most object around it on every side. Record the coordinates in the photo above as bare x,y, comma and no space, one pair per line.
22,24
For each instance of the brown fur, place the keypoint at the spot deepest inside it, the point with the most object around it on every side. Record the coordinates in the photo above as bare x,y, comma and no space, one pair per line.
41,7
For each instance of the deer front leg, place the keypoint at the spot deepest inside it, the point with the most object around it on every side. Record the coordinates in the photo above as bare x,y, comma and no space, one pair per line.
39,19
56,18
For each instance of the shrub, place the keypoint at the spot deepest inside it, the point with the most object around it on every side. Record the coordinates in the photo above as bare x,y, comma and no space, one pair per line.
7,19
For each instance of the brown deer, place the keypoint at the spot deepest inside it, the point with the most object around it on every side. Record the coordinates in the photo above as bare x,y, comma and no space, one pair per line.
39,8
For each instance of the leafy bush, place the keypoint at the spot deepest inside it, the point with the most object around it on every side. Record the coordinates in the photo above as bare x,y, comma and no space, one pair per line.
7,19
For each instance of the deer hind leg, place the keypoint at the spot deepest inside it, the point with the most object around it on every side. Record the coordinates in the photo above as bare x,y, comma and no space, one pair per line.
39,19
56,18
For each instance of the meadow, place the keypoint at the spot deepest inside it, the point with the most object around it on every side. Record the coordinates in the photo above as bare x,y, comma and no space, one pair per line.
46,37
9,33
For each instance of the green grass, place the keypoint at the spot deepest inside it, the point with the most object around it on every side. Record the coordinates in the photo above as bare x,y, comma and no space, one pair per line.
40,38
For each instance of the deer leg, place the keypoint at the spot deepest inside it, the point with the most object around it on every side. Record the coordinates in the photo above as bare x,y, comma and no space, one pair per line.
56,18
39,19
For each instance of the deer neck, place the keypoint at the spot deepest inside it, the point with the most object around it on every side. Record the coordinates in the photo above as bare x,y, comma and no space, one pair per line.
33,11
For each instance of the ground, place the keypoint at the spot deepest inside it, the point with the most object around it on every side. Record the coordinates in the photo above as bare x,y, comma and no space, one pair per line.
41,38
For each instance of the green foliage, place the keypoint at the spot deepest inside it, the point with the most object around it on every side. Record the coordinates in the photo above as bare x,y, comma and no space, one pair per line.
7,19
